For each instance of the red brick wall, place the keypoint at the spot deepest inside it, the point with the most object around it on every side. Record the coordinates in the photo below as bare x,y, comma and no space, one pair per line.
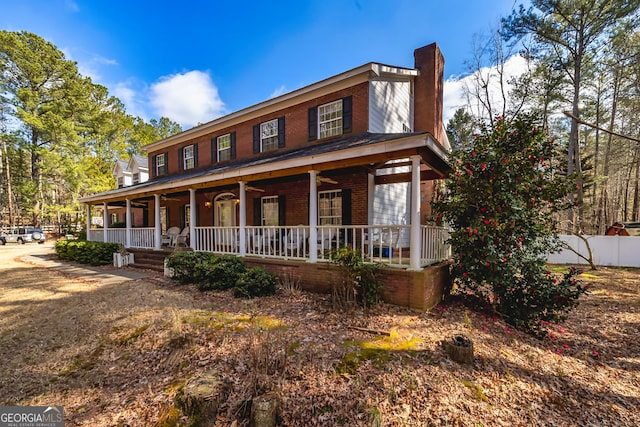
418,290
296,129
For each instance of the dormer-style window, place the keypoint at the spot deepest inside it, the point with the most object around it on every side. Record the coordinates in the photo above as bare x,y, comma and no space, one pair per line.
330,119
268,136
120,181
160,161
188,157
136,178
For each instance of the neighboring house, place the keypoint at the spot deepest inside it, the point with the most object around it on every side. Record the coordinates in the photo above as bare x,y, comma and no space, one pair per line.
349,160
127,173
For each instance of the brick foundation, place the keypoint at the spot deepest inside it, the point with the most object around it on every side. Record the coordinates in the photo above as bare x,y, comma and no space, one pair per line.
418,290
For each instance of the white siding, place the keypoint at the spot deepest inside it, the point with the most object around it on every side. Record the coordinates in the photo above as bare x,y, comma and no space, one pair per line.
391,204
390,106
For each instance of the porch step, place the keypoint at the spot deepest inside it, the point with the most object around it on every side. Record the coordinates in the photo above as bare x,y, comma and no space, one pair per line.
149,259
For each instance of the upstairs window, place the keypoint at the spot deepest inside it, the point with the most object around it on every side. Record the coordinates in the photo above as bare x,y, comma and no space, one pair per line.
268,136
224,147
330,119
120,181
160,161
188,157
136,178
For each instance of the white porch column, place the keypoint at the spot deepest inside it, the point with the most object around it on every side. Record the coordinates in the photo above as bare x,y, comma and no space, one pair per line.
105,222
88,222
371,186
313,216
415,241
192,218
243,218
128,224
157,228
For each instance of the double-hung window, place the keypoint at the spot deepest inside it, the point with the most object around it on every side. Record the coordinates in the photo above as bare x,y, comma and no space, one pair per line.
136,178
189,160
330,119
330,207
224,147
120,181
270,211
161,164
269,135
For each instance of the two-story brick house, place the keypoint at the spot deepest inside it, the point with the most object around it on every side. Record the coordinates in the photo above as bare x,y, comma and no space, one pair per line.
349,160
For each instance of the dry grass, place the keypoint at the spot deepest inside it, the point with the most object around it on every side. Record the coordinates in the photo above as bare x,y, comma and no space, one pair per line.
117,355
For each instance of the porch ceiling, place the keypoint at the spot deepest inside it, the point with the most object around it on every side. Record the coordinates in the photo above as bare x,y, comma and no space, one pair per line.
360,150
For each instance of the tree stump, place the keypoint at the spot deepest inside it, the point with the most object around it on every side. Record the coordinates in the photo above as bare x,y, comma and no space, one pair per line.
459,348
264,410
201,398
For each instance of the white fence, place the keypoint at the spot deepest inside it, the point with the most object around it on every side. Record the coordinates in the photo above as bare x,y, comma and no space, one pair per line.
615,251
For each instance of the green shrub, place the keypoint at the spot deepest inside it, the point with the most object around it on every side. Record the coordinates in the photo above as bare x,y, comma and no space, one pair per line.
255,282
94,253
222,273
500,240
359,282
190,266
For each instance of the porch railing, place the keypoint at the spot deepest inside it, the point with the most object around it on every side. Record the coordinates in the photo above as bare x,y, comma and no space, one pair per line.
143,238
376,243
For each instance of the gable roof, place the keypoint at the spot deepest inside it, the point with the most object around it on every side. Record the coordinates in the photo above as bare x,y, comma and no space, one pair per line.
332,84
140,161
120,166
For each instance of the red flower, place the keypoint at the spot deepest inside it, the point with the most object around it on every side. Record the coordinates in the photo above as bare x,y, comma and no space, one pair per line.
483,166
504,161
488,264
487,222
473,154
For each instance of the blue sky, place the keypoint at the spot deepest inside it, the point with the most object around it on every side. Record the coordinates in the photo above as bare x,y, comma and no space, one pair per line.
196,60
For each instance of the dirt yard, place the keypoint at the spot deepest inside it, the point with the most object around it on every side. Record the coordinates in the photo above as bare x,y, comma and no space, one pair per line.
116,355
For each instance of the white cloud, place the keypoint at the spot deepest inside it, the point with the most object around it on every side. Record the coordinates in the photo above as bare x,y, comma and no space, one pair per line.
279,91
454,88
188,98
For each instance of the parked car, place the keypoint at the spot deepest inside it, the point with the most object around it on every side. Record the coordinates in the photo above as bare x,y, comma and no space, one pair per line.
23,235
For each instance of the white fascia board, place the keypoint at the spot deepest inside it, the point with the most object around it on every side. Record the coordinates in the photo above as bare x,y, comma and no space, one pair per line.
332,84
409,142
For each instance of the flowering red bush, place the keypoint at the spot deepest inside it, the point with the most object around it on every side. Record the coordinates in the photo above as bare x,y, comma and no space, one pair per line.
499,201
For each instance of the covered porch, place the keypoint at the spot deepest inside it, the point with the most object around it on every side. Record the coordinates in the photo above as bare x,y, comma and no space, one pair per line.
338,194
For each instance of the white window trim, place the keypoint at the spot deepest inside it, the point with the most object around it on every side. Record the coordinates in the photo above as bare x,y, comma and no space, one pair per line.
330,120
159,165
274,126
185,159
120,181
225,149
264,202
333,219
134,180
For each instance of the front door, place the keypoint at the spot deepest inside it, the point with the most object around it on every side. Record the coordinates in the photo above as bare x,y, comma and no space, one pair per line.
225,211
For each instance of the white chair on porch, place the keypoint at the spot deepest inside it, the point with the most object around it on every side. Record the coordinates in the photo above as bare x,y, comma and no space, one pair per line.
168,239
182,239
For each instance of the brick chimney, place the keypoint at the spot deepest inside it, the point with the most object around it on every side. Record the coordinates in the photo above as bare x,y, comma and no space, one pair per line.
428,91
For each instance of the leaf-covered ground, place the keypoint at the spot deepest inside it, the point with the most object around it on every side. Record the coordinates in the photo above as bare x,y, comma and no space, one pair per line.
116,355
